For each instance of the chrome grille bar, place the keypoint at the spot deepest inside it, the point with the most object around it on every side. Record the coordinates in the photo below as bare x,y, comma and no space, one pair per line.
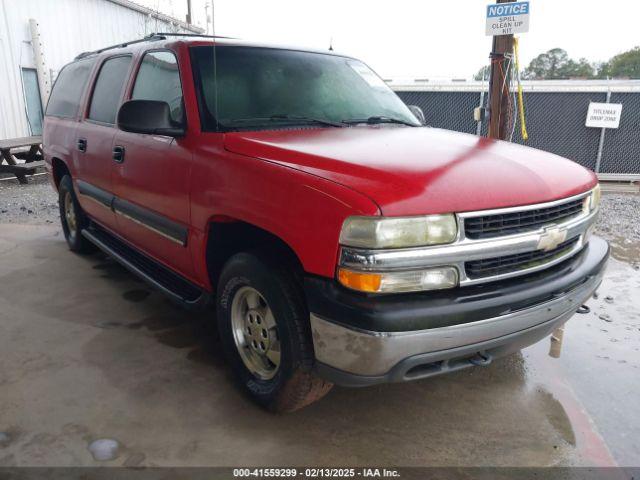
575,230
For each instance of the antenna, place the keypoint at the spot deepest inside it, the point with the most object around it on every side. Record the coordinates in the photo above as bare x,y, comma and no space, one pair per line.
215,64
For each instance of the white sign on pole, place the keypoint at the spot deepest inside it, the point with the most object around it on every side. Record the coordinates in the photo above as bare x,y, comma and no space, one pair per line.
507,18
604,115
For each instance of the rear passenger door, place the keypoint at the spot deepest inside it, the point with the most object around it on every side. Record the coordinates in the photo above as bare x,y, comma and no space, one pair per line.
152,181
93,148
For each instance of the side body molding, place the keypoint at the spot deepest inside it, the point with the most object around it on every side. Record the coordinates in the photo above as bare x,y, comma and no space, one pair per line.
149,219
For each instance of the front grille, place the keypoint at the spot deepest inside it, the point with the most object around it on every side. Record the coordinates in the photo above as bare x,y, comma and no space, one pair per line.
489,226
519,261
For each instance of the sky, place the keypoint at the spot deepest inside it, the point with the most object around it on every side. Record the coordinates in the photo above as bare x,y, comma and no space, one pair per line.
420,38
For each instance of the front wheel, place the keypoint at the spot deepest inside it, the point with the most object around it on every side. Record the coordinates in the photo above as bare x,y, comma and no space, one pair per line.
264,328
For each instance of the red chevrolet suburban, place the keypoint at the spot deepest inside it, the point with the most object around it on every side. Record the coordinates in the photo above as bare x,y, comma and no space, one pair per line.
340,239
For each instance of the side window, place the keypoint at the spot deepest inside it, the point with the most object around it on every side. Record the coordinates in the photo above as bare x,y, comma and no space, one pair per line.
159,79
106,93
68,88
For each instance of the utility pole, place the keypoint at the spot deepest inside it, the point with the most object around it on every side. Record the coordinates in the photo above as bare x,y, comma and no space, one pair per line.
499,85
189,12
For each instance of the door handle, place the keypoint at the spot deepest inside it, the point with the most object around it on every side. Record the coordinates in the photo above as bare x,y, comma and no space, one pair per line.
82,144
118,153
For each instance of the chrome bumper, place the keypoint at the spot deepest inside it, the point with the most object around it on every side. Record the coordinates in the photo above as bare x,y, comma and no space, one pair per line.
344,353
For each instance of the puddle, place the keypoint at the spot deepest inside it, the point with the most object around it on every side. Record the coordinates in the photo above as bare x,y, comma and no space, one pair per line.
210,356
599,355
108,325
134,460
556,415
113,271
178,338
136,295
626,251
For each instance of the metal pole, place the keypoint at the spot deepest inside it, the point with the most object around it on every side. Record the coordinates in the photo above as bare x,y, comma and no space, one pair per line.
479,127
601,144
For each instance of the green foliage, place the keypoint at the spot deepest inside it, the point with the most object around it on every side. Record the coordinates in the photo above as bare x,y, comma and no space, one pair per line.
625,65
556,65
547,66
483,73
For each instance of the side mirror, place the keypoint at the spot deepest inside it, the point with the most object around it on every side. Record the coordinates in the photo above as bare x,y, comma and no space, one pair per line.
148,116
418,113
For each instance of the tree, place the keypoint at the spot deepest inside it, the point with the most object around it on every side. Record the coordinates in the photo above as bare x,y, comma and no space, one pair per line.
603,70
547,65
580,69
556,64
624,65
483,73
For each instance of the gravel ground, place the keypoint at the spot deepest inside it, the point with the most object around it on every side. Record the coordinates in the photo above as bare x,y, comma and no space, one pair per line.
620,217
37,203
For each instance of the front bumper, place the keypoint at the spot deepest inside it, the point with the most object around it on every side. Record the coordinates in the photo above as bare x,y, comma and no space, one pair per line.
362,340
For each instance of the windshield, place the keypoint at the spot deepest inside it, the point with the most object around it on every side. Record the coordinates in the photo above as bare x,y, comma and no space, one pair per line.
264,87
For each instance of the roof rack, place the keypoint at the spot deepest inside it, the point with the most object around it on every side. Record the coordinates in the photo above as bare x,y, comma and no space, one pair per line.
200,35
148,38
152,37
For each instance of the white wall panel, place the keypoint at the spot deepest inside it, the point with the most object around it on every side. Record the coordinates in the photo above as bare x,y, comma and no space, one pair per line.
67,28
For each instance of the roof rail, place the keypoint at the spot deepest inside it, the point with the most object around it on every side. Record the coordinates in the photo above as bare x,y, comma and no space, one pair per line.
200,35
148,38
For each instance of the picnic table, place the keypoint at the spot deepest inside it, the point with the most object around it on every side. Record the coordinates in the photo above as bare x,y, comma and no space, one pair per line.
15,149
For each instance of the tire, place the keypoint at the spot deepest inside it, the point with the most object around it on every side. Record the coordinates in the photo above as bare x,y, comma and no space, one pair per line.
293,384
72,217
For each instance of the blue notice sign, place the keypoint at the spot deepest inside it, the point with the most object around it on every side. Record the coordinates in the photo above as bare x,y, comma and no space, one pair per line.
507,18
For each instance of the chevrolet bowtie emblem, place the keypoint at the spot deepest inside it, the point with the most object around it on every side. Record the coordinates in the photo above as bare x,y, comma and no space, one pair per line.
551,238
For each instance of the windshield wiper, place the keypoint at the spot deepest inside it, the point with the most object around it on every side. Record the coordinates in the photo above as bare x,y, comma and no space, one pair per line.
287,118
378,119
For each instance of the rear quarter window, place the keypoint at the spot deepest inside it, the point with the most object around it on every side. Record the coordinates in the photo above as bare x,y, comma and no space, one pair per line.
66,95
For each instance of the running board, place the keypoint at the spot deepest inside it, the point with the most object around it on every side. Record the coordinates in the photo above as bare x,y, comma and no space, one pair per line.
178,288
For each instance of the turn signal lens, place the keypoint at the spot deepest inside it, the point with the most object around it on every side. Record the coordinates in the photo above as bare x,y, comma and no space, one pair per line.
364,282
396,282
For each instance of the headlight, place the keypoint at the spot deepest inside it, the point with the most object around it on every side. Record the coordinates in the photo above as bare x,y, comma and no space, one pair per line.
401,281
398,232
594,201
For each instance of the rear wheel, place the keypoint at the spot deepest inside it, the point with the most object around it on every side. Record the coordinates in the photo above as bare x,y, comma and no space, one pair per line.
73,218
264,328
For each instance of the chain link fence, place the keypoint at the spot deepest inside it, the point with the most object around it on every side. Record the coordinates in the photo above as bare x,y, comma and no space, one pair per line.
556,112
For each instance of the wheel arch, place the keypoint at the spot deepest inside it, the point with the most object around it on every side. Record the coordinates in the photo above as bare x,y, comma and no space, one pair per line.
58,170
227,236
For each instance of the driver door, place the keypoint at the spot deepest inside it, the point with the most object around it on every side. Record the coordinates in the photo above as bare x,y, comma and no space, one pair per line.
152,176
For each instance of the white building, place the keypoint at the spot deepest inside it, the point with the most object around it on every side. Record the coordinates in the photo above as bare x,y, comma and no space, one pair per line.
38,37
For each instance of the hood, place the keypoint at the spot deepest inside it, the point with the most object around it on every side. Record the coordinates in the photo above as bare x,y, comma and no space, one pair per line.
414,171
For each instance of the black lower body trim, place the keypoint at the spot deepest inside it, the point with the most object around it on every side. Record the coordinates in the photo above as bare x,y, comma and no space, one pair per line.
169,282
97,194
159,224
442,308
151,220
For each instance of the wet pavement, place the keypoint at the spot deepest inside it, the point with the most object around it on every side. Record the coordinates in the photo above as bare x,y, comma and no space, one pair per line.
97,369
